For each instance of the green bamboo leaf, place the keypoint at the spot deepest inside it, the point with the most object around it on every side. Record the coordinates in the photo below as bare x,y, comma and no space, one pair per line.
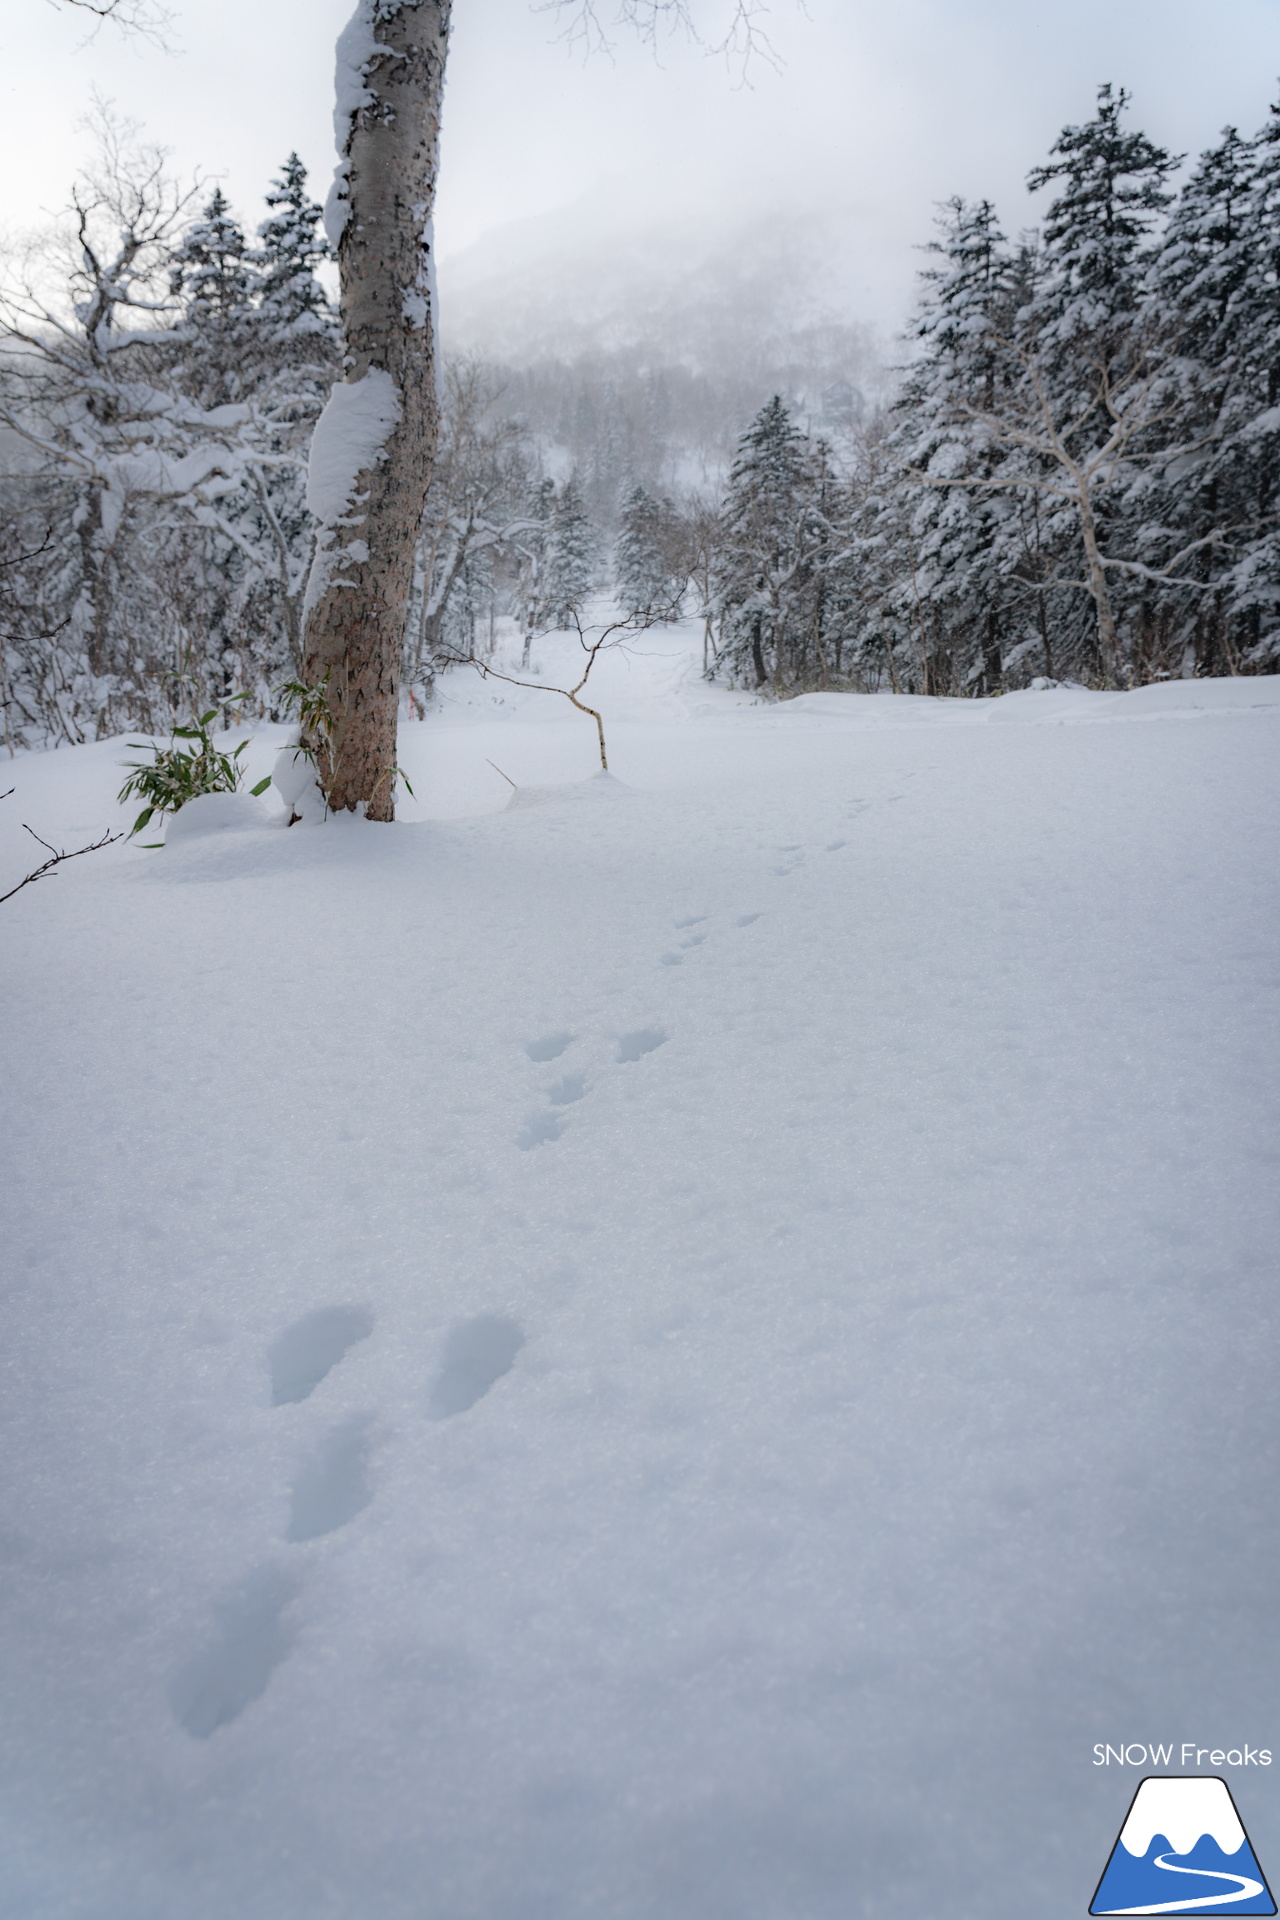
261,786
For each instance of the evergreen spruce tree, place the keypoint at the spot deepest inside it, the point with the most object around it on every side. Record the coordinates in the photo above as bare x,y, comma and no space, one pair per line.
1094,346
571,551
1097,233
1200,283
257,328
1254,579
212,271
953,606
643,575
1057,413
764,574
292,301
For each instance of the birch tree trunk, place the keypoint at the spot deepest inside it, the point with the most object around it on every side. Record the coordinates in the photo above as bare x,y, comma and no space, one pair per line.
373,448
1108,641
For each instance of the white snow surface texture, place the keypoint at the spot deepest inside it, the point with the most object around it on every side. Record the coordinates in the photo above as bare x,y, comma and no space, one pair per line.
679,1350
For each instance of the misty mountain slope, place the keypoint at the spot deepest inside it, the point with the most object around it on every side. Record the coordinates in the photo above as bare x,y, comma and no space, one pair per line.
676,1345
695,291
644,354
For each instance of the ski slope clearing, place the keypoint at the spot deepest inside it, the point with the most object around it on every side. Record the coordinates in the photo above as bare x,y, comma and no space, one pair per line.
673,1346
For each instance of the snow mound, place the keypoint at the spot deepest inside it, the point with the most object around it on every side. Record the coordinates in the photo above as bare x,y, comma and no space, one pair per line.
602,786
216,813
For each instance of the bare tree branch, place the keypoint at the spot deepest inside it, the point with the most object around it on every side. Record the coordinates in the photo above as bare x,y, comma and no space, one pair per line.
609,637
148,18
55,857
740,37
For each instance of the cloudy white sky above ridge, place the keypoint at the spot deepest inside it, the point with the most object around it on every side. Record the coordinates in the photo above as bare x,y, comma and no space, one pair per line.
878,111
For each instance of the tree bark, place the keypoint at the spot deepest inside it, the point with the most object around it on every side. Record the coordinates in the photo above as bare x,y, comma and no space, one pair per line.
391,62
1107,640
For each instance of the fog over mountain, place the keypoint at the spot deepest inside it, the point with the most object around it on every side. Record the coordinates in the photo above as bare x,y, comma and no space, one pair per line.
694,290
645,354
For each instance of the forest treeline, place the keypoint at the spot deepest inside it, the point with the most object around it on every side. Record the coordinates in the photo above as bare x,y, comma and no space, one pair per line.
1076,477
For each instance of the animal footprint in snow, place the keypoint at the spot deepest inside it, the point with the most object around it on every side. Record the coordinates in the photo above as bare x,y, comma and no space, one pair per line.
570,1087
834,846
234,1670
694,940
311,1348
540,1128
332,1488
476,1354
550,1047
634,1046
747,920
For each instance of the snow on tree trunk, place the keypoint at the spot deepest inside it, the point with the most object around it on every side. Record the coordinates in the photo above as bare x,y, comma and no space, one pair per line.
372,454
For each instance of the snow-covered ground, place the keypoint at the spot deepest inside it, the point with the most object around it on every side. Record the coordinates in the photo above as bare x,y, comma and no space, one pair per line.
791,1231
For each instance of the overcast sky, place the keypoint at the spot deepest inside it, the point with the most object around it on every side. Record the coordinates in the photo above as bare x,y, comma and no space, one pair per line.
881,108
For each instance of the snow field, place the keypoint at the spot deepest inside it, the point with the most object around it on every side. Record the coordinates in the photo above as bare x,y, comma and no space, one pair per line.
680,1349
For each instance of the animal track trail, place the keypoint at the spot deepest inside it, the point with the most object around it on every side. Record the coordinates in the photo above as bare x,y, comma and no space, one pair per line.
311,1348
548,1125
476,1355
215,1686
538,1129
634,1046
548,1048
676,959
790,865
332,1487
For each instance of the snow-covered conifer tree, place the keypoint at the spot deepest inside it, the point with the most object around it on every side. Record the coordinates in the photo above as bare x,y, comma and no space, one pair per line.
1253,579
292,303
212,274
1077,405
952,612
643,576
571,555
765,571
257,328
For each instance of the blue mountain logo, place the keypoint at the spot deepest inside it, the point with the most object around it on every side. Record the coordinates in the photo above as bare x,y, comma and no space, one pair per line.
1183,1850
